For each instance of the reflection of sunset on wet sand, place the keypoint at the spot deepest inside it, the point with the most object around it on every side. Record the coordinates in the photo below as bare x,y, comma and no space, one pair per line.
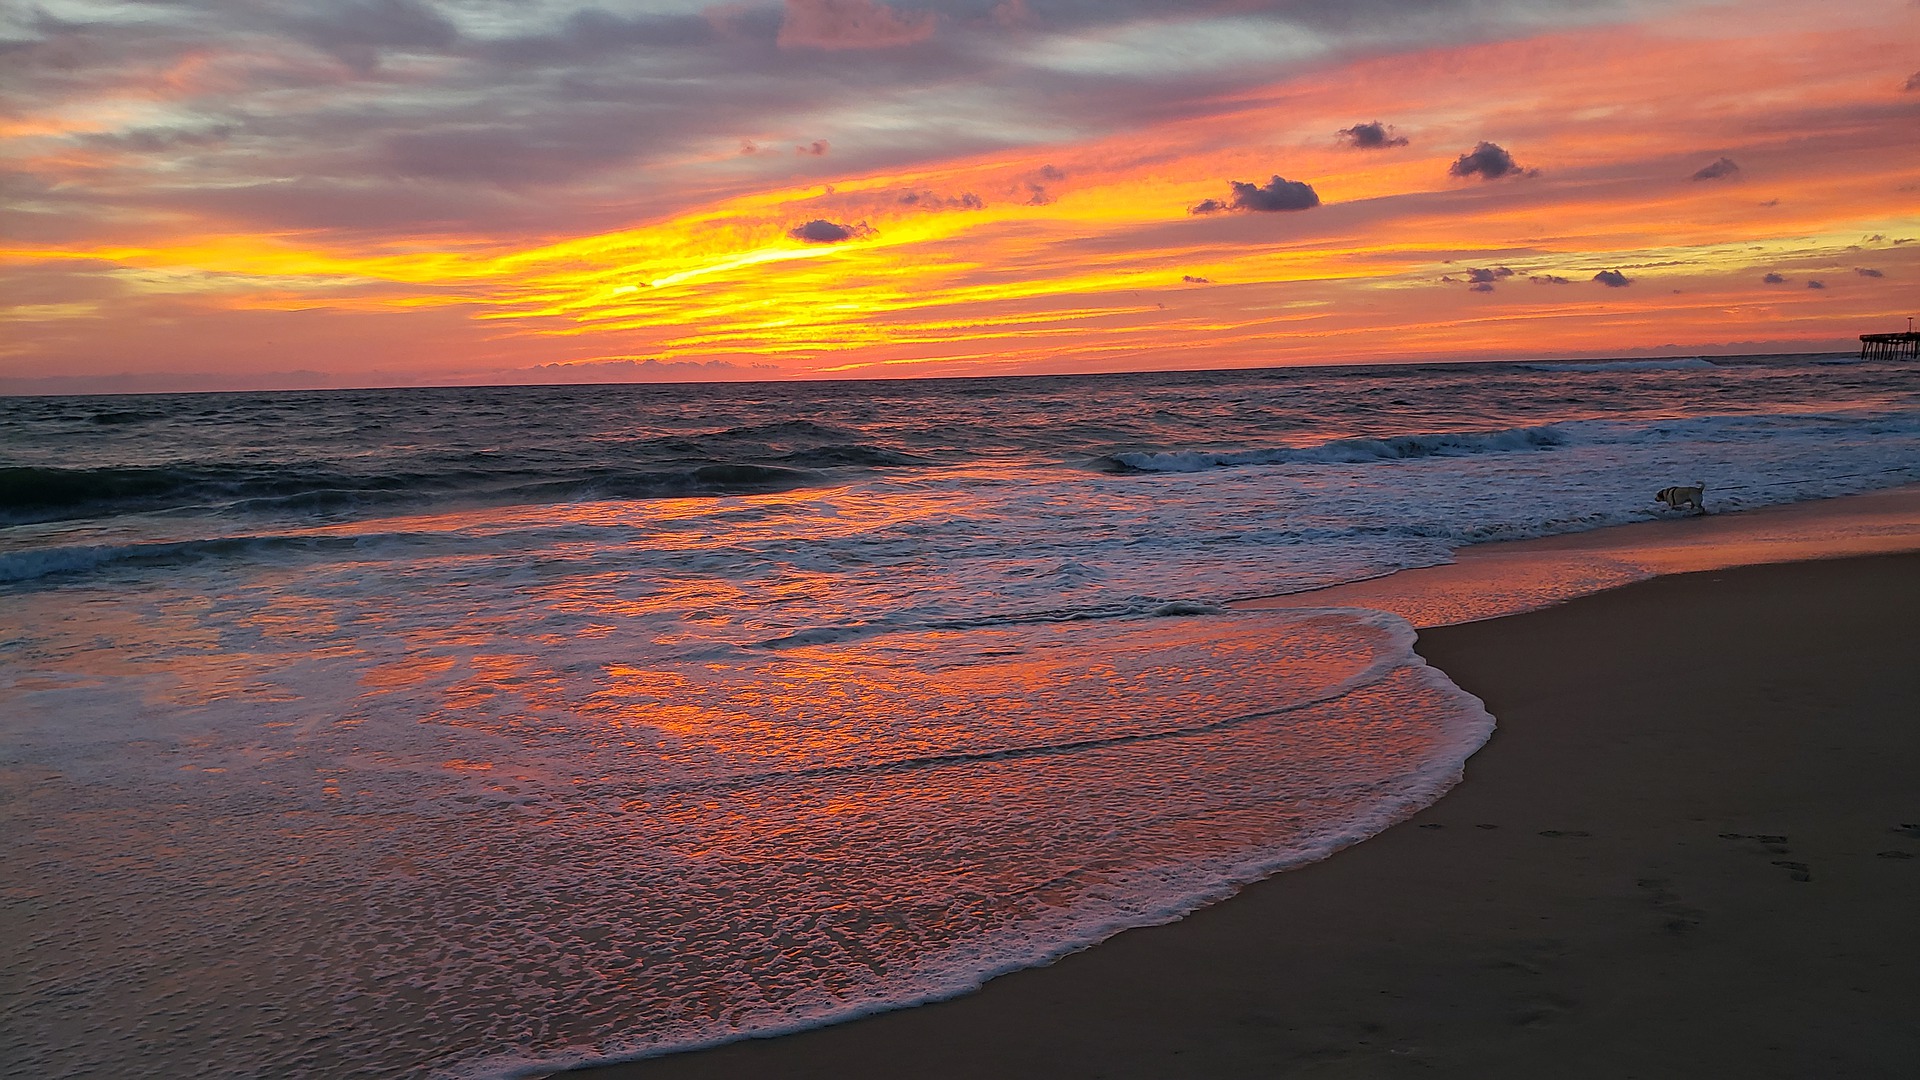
915,792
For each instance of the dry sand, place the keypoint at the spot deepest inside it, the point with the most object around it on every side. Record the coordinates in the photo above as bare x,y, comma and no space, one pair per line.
1692,848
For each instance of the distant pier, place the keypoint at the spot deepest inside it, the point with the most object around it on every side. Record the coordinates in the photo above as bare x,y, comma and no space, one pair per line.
1890,345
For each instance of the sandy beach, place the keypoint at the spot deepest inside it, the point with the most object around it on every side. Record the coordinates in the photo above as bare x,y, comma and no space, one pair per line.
1692,848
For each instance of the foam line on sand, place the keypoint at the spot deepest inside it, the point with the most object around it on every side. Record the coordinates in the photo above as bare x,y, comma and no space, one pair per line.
1692,848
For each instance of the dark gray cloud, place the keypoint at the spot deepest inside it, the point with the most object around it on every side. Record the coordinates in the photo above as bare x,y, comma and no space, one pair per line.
1775,278
816,148
1480,286
1867,271
1489,276
1275,195
1372,136
1913,82
822,231
1816,284
1613,279
1192,280
1717,170
1488,161
1549,279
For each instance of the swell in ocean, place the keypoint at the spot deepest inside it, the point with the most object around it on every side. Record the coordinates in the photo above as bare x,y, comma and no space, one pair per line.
668,715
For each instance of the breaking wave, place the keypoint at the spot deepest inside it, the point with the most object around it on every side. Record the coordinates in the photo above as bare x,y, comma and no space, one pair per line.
1353,451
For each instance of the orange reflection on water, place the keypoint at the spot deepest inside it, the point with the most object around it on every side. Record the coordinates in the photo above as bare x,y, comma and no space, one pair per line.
403,674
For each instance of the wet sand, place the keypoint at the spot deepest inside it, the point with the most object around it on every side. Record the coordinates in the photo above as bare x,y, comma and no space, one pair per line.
1692,848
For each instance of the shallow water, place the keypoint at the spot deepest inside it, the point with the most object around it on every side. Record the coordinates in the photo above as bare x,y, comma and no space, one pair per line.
455,731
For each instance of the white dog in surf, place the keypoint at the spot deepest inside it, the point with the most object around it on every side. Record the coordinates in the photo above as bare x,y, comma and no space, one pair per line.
1684,498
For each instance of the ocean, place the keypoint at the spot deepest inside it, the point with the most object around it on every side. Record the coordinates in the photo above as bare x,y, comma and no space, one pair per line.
471,732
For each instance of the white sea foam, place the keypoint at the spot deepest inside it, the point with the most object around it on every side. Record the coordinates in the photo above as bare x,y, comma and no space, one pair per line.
428,827
654,773
1355,451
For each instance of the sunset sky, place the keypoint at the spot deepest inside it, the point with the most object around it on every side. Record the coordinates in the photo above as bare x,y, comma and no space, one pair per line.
207,194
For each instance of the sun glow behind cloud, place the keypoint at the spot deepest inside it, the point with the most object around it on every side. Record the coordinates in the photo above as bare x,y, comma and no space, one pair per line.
1053,243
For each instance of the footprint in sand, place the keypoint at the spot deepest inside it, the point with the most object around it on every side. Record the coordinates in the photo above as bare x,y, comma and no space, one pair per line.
1680,917
1796,870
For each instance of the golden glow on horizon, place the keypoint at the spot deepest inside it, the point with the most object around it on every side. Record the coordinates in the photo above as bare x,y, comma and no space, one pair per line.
1084,255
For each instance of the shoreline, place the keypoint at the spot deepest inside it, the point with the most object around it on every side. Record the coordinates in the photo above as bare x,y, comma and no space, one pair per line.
1607,891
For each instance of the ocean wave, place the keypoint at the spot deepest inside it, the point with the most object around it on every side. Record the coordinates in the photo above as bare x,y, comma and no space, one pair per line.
42,493
30,494
837,455
787,431
1686,363
36,563
125,416
1352,451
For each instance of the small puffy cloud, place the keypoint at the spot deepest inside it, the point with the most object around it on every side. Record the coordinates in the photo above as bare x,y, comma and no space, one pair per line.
1192,280
1480,286
1913,82
816,148
1816,284
1867,271
1488,277
1613,279
822,231
1488,161
1717,170
851,24
1275,195
1775,279
1549,279
1373,136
